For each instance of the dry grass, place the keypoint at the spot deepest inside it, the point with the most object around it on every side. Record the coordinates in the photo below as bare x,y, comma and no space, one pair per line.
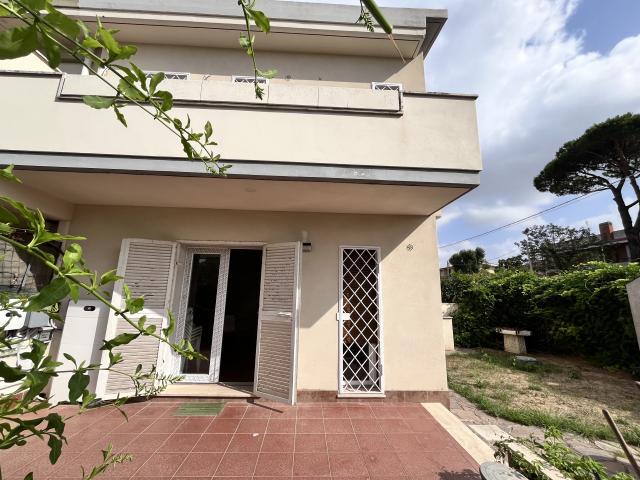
564,392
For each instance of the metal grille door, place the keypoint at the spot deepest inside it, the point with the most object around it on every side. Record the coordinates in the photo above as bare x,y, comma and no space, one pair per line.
360,323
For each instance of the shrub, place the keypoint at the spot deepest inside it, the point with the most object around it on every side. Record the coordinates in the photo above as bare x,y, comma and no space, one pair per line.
584,311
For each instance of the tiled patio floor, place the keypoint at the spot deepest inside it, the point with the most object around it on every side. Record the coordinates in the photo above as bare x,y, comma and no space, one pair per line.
266,440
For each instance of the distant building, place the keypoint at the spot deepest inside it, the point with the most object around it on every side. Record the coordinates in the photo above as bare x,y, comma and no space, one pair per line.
614,244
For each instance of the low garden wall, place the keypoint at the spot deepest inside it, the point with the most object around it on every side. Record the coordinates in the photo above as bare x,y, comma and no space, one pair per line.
582,312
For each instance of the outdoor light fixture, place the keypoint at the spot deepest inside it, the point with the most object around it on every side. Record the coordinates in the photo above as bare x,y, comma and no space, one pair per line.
306,244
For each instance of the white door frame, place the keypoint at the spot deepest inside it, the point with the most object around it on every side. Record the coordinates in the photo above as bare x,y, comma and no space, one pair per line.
341,317
218,323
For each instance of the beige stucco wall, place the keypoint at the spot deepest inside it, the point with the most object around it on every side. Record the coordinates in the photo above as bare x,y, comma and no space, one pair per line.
432,132
413,339
337,70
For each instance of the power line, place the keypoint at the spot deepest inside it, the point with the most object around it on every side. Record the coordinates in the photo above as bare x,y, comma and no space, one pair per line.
563,204
504,255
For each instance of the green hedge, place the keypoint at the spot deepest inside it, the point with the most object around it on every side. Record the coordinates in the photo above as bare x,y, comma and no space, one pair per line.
584,311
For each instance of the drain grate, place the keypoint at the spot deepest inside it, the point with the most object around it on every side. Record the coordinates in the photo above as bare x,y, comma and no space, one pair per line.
198,409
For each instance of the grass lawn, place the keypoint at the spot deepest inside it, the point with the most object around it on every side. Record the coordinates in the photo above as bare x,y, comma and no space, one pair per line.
567,393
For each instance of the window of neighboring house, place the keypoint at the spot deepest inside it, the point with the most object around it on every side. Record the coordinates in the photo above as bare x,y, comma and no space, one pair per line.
170,75
248,79
386,86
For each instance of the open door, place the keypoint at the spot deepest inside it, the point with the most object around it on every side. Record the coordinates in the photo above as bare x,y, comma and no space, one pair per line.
147,268
277,345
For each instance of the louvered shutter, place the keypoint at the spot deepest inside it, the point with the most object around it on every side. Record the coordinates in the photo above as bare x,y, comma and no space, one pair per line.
147,268
277,346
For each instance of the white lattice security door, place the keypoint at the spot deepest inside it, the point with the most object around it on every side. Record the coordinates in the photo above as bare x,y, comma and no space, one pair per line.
361,327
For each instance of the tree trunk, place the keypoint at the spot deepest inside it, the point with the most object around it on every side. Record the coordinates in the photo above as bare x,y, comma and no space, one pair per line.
632,232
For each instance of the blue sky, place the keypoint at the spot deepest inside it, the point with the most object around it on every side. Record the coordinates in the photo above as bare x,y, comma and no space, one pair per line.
605,22
544,70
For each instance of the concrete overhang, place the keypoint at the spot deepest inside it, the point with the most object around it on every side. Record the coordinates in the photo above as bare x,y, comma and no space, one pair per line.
265,186
296,26
118,189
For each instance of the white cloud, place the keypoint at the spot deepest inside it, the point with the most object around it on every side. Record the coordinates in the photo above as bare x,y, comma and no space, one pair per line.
537,88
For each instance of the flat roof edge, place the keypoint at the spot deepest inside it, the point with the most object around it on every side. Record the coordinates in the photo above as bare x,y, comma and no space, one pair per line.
275,10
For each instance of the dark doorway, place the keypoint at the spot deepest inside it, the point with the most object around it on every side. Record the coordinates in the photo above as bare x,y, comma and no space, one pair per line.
241,316
201,309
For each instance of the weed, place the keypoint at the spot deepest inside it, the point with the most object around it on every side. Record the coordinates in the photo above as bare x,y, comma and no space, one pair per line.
540,418
575,374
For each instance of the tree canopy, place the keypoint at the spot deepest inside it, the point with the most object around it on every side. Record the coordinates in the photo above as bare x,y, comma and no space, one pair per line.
553,248
467,261
606,156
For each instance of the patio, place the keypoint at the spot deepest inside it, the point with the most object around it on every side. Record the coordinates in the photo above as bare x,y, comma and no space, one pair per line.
261,440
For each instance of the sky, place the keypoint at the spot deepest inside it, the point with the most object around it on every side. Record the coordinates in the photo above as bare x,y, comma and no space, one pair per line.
544,70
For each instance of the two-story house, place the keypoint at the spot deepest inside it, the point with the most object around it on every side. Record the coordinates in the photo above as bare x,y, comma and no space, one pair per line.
311,270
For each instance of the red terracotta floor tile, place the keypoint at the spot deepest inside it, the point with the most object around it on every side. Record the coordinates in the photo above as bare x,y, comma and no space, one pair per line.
311,465
153,411
81,441
433,442
310,442
194,425
223,425
364,425
237,464
208,477
257,412
404,442
309,425
126,469
347,464
281,425
335,412
360,411
454,459
164,425
146,442
73,468
373,442
342,443
161,464
422,425
417,463
413,412
384,463
180,442
233,411
134,425
278,442
213,442
284,411
274,465
199,465
338,425
40,466
310,411
381,412
118,441
246,442
396,425
252,425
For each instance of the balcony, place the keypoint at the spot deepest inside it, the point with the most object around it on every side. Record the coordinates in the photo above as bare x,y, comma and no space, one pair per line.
303,148
294,124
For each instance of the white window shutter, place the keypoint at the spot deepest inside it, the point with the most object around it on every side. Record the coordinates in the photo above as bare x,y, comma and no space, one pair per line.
277,345
147,268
